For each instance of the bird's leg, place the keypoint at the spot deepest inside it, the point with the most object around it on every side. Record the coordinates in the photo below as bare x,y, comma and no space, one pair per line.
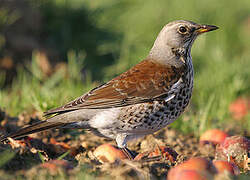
128,153
121,140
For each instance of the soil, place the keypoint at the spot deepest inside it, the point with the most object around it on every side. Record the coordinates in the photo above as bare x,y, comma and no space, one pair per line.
77,147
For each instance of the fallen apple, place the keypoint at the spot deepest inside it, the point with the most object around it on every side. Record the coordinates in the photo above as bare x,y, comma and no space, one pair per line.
200,165
109,153
234,149
222,166
189,175
214,136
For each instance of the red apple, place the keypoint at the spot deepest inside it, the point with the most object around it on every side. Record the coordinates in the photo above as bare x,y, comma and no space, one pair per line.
200,165
234,149
109,153
189,175
214,136
54,165
239,108
222,166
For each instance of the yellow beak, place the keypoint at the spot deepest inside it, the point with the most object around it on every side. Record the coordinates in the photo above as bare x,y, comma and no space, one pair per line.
206,28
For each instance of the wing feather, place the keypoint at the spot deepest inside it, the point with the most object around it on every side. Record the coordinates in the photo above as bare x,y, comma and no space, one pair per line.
142,83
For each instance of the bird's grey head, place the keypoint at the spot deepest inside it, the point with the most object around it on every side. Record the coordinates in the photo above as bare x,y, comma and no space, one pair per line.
177,35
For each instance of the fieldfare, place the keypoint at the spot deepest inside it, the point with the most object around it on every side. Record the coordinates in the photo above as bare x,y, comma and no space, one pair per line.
140,101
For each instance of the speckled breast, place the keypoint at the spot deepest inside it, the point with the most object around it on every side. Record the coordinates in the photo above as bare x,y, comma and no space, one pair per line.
147,118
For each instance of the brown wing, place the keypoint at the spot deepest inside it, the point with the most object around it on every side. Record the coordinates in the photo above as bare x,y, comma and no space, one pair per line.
142,83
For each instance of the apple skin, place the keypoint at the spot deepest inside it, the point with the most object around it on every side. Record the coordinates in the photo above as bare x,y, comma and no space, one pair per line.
189,175
240,108
202,166
222,166
234,149
109,153
54,166
214,136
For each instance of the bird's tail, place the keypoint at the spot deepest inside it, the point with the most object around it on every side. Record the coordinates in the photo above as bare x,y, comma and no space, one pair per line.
37,127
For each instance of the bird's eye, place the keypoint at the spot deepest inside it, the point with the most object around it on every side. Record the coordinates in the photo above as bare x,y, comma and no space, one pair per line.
182,29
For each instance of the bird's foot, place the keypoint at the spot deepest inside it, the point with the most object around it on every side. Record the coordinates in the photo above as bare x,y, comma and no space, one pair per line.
159,153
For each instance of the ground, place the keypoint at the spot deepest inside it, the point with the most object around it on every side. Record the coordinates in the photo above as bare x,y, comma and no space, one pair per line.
72,152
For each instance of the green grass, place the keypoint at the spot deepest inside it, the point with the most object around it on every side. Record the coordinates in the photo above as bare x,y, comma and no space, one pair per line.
33,91
221,58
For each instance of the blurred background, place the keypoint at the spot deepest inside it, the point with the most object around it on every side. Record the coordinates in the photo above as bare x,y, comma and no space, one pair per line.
52,51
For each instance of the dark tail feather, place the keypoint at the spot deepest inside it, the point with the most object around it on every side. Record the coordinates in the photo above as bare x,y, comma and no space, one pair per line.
37,127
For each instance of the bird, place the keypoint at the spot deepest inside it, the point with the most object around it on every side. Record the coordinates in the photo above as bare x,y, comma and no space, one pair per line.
144,99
